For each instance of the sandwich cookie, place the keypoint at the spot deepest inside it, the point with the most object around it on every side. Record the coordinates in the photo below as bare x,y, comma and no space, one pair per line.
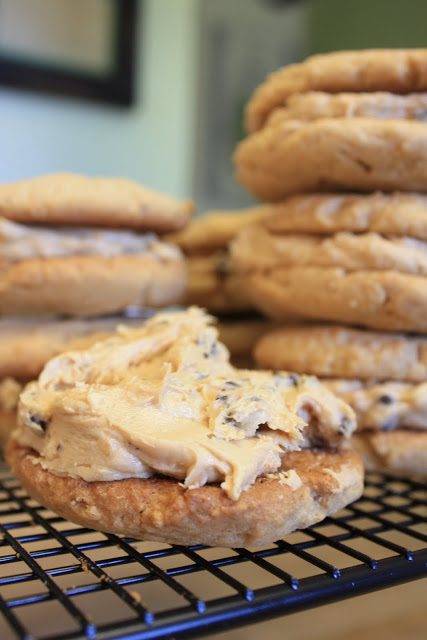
400,71
383,377
80,271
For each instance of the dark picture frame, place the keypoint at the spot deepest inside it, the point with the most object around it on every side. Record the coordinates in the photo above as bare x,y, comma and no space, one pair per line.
116,87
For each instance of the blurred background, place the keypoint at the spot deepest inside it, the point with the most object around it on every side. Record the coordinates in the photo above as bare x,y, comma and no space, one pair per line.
154,90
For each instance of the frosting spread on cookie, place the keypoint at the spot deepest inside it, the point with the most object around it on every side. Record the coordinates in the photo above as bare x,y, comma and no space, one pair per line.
384,406
164,399
21,242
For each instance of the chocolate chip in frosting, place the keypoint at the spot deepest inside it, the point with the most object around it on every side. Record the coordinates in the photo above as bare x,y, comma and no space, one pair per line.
386,399
40,422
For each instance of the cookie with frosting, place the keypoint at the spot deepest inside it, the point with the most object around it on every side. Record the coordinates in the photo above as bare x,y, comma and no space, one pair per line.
154,434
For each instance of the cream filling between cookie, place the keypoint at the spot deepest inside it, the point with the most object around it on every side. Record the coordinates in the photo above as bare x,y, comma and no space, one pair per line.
384,406
163,399
22,242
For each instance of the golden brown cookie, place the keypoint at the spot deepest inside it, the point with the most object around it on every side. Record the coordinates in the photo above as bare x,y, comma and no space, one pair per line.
377,299
26,344
90,285
256,249
160,509
361,154
9,395
214,229
240,335
398,453
157,416
393,70
213,285
379,105
341,352
390,214
384,406
68,199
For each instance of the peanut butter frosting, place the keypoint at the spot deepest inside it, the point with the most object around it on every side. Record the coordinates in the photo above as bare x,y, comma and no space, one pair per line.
384,406
22,241
164,399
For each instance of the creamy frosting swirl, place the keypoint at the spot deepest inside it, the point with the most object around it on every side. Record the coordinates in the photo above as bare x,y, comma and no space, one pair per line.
164,399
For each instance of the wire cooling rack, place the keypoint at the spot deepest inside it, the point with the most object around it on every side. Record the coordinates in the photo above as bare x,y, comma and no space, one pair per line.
59,580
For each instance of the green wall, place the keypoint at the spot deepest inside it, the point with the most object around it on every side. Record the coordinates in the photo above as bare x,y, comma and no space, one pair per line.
357,24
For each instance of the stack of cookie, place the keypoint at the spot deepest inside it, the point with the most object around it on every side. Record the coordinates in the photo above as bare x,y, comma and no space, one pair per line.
383,376
320,131
212,282
77,246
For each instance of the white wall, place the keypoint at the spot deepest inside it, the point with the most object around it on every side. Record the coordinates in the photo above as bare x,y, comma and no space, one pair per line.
153,142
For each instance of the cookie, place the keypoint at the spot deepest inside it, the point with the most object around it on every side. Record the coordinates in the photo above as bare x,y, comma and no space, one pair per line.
158,416
401,453
379,105
90,285
257,249
9,395
377,299
389,214
384,406
240,335
26,344
360,154
399,71
341,352
7,425
68,199
215,229
213,285
162,510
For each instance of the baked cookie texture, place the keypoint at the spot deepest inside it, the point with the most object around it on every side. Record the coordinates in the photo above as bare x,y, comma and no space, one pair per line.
26,344
162,510
215,229
385,300
9,395
378,105
343,352
256,248
243,456
361,154
392,70
402,454
389,214
69,199
90,285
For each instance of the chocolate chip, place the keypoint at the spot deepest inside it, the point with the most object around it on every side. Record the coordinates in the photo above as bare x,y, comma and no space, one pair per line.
386,399
345,426
39,422
231,383
294,378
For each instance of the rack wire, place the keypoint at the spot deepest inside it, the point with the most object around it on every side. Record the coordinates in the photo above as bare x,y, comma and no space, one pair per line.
59,580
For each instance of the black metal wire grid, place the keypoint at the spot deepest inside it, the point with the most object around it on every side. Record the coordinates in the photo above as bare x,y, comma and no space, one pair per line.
59,580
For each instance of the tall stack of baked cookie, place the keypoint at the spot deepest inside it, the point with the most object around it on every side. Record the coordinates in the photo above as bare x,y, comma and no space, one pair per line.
339,144
78,247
